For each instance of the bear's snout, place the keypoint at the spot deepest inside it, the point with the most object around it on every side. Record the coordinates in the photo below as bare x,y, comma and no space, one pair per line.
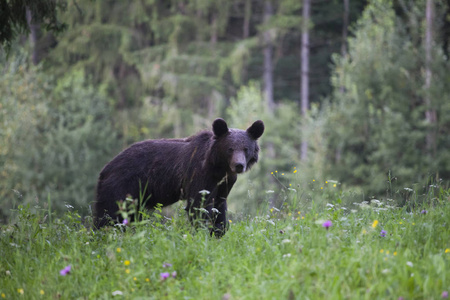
239,168
238,162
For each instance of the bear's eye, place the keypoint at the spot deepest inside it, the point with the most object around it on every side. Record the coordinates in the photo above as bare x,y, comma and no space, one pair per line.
230,150
246,150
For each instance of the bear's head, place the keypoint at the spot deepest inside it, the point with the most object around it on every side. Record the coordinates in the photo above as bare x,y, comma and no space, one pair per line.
238,149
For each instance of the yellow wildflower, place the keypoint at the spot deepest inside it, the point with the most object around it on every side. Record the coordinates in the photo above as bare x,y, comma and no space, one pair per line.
375,223
41,292
119,250
127,263
447,250
127,271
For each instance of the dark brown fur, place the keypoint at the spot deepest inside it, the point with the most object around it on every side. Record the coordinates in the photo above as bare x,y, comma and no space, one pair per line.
178,169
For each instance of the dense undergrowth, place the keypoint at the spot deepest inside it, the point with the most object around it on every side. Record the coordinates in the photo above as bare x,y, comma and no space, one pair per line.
373,250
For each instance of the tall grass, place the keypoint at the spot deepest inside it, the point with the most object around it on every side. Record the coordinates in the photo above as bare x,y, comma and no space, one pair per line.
373,250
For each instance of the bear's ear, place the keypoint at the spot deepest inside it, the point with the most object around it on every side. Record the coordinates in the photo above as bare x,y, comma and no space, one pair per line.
220,127
256,130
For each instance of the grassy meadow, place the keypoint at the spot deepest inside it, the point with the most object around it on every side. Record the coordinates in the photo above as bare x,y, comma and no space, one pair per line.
315,246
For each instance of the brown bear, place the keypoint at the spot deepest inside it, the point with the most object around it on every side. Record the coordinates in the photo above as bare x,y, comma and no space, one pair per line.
201,169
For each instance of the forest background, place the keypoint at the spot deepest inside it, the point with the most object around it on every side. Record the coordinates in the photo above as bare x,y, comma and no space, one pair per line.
353,94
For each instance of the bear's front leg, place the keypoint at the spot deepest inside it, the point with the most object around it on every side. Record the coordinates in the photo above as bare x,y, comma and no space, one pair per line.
220,217
220,205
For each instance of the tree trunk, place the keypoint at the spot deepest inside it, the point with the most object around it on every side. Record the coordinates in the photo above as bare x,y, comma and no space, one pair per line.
345,28
247,14
214,30
34,31
430,114
268,63
268,84
338,153
304,92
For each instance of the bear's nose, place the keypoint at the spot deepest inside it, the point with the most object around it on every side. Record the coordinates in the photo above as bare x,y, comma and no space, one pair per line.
239,168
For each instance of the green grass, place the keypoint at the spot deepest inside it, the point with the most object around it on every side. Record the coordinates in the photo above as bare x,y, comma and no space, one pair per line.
280,254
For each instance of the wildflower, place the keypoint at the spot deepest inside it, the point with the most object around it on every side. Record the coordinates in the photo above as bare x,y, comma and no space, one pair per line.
115,293
424,212
295,171
3,295
409,263
326,181
381,250
447,250
127,271
166,265
314,180
327,224
134,278
65,271
20,291
147,279
321,187
230,221
125,222
41,292
334,185
375,223
119,250
127,263
444,295
395,253
383,233
174,274
204,192
164,275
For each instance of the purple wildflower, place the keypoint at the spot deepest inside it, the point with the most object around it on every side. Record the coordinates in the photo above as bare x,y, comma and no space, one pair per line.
383,233
167,265
125,222
164,275
444,295
174,274
65,271
327,224
424,212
